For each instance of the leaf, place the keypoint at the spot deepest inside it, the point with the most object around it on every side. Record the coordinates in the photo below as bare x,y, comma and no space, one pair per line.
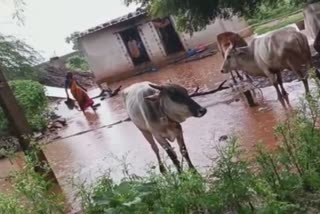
137,200
124,187
109,211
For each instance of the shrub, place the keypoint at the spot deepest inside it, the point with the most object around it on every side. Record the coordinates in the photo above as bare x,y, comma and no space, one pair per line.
32,99
78,63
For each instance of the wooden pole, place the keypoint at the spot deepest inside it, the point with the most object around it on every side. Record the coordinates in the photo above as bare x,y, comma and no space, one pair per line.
20,126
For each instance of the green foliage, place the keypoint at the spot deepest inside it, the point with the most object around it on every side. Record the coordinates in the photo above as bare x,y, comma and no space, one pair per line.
73,39
78,63
279,24
194,15
284,180
32,193
268,13
32,99
17,58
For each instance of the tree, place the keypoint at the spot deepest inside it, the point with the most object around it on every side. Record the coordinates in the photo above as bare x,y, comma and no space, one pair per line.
73,39
18,58
194,15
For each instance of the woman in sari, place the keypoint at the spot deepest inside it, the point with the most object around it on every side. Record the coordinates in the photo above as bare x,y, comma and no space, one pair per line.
78,92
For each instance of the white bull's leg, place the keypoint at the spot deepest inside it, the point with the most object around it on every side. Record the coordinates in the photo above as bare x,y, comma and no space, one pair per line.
155,148
183,148
274,80
171,153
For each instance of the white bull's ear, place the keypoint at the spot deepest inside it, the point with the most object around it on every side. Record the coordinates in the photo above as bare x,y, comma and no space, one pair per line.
153,97
158,87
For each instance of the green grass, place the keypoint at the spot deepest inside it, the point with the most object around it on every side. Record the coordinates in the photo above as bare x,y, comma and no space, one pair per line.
261,29
267,14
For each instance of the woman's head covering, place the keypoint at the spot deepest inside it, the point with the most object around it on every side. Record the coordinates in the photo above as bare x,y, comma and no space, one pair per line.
69,75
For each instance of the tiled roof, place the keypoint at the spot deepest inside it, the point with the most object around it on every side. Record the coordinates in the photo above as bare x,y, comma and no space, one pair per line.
113,22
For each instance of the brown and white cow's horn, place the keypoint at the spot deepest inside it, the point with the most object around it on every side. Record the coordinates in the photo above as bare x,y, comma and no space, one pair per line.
158,87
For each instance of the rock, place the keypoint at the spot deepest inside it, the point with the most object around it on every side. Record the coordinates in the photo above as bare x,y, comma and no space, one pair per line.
61,121
223,138
8,144
38,135
264,109
57,125
54,116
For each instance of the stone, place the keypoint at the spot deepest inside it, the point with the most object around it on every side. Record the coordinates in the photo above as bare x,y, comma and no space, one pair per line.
223,138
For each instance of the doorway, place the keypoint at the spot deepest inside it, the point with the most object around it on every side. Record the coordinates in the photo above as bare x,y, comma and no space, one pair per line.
169,36
135,46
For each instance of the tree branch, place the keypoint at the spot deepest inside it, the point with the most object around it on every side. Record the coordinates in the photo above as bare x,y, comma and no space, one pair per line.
220,88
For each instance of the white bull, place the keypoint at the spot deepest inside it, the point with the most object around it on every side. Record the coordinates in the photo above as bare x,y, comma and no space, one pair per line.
269,55
157,111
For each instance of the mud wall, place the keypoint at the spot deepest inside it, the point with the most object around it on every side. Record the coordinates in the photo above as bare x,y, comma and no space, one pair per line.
106,53
209,34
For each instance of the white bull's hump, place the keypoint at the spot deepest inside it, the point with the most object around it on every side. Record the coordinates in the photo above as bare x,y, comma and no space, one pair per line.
137,108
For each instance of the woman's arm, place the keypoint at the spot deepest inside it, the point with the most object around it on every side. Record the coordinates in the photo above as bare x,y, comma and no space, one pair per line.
66,87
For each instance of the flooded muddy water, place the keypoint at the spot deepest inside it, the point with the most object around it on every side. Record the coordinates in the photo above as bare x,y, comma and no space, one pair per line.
98,143
204,73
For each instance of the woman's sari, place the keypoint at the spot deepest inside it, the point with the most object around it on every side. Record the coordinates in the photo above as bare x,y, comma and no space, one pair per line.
80,95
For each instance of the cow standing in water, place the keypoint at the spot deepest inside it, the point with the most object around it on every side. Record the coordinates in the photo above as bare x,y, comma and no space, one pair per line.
157,111
225,40
269,55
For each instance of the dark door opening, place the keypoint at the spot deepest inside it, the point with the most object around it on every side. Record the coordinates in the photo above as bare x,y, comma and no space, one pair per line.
135,46
168,35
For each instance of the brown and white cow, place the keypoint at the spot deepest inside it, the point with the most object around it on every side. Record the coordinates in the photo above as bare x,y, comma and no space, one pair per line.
157,111
269,55
225,40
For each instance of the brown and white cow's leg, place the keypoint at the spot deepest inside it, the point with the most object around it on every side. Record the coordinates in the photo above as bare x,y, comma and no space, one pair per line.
182,146
272,75
239,76
280,97
274,80
171,153
279,78
155,148
233,78
303,76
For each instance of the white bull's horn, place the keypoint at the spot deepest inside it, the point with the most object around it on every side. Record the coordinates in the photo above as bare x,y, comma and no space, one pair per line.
158,87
